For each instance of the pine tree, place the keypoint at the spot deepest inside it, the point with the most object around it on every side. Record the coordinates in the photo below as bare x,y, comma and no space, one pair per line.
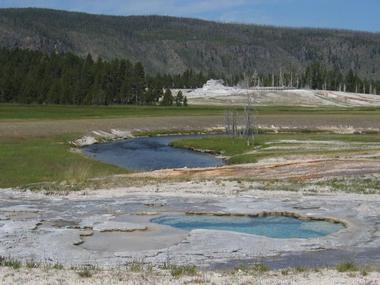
179,99
54,93
85,80
125,95
167,99
139,84
351,81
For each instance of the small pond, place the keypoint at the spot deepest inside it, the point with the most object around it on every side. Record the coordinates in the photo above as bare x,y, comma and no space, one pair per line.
150,153
271,226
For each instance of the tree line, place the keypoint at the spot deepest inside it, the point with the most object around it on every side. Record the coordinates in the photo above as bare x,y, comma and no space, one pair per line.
33,77
315,76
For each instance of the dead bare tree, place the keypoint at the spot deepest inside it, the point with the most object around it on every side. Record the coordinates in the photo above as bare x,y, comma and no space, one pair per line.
243,125
235,126
291,79
227,122
249,124
249,117
281,81
231,123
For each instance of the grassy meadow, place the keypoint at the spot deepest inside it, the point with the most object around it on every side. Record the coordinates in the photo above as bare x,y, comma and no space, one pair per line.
45,159
34,139
68,112
34,153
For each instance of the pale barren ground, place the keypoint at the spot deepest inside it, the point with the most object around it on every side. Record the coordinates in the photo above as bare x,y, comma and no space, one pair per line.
220,95
9,276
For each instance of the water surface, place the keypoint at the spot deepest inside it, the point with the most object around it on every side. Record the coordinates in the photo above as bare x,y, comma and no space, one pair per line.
274,227
150,153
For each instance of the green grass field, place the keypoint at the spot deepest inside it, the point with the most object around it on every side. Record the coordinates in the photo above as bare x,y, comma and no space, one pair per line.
46,159
59,112
65,112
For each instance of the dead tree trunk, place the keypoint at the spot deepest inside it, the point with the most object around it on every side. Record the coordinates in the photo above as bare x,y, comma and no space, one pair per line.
235,124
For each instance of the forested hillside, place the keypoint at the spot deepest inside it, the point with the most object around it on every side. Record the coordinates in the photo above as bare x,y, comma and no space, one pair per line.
34,77
173,45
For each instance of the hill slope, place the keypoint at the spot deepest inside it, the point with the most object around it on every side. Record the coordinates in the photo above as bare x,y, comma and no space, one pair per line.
168,44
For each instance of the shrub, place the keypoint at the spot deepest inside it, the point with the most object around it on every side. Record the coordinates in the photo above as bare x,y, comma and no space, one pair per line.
15,264
85,273
177,271
346,267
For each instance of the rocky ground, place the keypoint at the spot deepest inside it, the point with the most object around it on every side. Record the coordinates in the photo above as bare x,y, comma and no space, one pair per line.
112,227
92,230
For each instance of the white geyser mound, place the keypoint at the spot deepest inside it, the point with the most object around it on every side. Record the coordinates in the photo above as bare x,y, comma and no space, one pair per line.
215,88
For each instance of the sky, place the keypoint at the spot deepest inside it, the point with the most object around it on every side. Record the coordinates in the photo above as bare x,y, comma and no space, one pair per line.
343,14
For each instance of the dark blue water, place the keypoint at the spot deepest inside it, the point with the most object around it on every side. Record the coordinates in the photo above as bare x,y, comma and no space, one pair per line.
274,227
151,153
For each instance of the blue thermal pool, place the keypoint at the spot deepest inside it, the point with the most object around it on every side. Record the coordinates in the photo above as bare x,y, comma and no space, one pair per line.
271,226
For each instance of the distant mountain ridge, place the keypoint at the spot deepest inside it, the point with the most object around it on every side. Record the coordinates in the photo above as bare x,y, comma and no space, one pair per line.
172,45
